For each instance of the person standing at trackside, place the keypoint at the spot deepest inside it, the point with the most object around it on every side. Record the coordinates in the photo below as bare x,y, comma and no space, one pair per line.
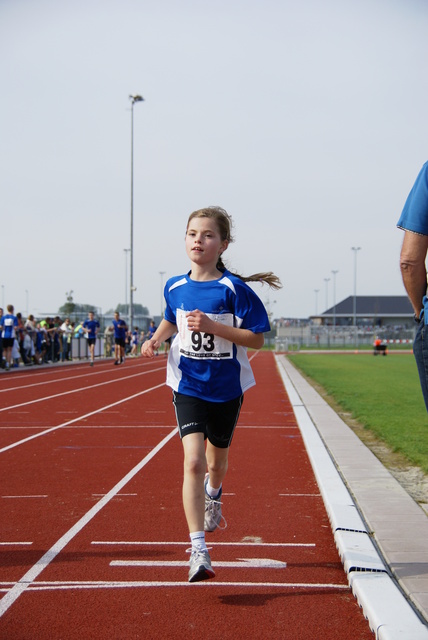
152,329
414,221
91,326
9,328
120,330
217,317
67,334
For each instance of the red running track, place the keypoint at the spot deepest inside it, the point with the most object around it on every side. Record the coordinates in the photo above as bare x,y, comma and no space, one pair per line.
93,537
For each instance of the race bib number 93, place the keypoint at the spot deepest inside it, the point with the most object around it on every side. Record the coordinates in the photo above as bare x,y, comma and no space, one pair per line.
200,345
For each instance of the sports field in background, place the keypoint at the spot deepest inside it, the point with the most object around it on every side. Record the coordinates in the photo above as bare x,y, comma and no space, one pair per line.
382,393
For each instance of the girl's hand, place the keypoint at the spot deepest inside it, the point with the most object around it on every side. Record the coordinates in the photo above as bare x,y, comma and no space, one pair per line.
199,321
149,347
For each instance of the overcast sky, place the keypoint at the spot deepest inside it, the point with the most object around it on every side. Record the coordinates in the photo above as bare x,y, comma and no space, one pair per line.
305,119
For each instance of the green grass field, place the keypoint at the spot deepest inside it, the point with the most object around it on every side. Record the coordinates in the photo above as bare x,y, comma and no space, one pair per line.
382,393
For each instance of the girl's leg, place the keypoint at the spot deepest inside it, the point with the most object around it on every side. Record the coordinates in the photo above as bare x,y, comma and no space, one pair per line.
217,461
195,465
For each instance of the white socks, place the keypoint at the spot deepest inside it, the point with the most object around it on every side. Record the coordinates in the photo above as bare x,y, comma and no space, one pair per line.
198,540
211,491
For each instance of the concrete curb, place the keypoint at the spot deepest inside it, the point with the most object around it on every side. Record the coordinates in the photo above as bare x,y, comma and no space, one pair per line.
390,614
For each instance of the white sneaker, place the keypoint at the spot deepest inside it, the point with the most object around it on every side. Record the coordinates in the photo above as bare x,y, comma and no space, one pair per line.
213,515
200,566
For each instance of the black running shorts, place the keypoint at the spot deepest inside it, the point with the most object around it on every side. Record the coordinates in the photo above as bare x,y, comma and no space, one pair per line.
216,420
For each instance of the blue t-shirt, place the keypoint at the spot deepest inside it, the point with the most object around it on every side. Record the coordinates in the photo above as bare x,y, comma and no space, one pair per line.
8,324
92,326
414,216
120,328
205,365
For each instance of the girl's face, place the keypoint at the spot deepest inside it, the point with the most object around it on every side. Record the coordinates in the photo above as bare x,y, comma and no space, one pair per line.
203,242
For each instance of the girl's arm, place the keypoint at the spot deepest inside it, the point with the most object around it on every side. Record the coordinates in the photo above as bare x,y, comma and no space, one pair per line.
198,321
164,331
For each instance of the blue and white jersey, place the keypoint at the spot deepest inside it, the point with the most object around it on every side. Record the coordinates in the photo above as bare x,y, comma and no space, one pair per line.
202,364
415,213
8,324
92,326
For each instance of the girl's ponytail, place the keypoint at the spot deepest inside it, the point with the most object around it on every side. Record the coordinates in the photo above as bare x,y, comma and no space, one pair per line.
224,223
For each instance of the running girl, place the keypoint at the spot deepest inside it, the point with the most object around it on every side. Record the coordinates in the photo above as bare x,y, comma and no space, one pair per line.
217,316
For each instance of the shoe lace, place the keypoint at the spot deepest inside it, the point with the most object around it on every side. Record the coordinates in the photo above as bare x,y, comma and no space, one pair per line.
213,507
197,550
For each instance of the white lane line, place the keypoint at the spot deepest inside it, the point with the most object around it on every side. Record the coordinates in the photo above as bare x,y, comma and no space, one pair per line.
65,379
19,497
86,415
239,563
87,388
266,426
100,495
97,426
134,584
212,544
300,495
30,576
13,544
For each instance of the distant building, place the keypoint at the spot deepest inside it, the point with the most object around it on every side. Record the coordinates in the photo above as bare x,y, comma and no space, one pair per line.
375,311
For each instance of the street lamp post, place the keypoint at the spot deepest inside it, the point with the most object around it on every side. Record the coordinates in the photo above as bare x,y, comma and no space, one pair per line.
355,250
133,99
334,297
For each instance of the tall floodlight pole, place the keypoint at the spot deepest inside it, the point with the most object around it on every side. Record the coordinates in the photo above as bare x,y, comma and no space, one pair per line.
334,296
355,250
326,280
126,251
133,99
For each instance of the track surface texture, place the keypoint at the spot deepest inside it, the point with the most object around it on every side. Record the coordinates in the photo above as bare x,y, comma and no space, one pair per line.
93,537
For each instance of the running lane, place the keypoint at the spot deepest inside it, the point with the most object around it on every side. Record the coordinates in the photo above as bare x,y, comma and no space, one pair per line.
94,538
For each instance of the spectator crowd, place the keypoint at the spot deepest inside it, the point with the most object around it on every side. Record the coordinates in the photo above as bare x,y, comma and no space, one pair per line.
36,342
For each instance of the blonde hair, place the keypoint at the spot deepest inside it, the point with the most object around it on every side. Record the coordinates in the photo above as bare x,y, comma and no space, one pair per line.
225,224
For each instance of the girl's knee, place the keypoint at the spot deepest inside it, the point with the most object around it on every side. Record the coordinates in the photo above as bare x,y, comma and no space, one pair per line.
216,466
194,465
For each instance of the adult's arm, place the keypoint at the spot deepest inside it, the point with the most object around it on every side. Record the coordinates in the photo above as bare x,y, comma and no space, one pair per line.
413,269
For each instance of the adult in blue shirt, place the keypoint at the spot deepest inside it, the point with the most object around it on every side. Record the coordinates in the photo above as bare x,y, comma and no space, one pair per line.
120,330
414,221
9,325
90,327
